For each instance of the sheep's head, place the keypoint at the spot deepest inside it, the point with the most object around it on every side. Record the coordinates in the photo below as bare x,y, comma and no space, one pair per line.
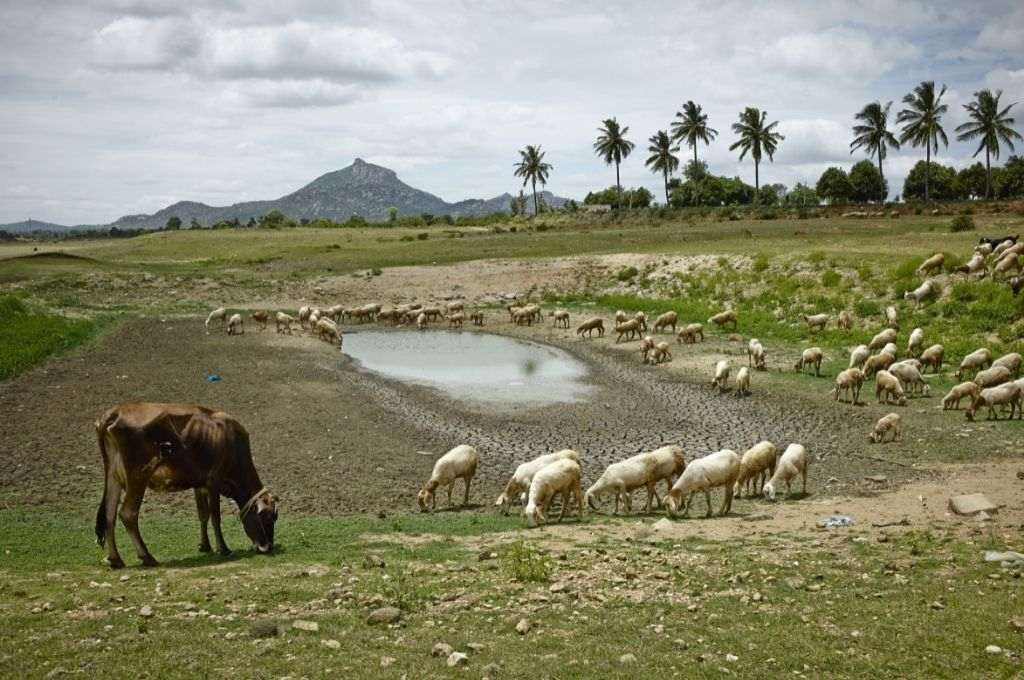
672,502
424,498
873,437
902,400
502,500
533,515
769,491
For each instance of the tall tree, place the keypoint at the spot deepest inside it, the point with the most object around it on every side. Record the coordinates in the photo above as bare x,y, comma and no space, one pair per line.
991,124
757,137
532,168
613,147
663,157
872,134
692,126
921,123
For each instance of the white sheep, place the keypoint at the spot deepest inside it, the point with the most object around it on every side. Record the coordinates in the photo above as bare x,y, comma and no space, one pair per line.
261,317
743,381
931,264
756,355
992,376
933,357
561,318
641,470
794,461
816,322
328,331
660,353
889,386
519,483
589,326
284,321
646,345
665,320
220,313
887,423
974,265
756,466
459,463
559,477
454,307
641,318
892,319
925,291
1011,361
689,333
722,369
627,330
621,316
882,339
727,317
983,249
878,362
975,361
811,356
890,348
235,326
964,389
304,313
851,380
456,319
844,321
421,321
1006,265
910,377
915,342
719,469
1001,395
859,355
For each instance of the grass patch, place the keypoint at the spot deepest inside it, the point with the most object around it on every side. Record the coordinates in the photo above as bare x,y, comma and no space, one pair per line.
27,336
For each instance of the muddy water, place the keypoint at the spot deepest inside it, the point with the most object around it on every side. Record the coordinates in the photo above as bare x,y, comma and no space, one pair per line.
473,367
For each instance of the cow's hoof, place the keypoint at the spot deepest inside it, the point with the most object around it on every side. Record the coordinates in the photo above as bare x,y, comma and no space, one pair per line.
224,551
205,548
114,563
150,561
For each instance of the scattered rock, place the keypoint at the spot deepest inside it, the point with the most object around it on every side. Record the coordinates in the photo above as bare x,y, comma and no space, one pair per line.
146,611
384,615
264,629
491,671
457,659
372,561
308,626
1007,556
560,587
937,605
971,504
663,524
486,555
441,649
878,479
331,644
993,649
386,661
523,627
1017,625
732,658
627,659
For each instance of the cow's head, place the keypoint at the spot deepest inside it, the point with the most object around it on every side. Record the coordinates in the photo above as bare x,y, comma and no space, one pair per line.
258,522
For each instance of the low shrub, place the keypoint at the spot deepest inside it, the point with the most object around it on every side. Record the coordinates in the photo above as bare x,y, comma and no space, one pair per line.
962,222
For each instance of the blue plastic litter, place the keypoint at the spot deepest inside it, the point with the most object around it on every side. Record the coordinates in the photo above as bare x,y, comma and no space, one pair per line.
838,521
212,377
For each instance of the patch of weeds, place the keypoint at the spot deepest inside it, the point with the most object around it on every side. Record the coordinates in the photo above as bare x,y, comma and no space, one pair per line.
627,273
422,236
866,308
524,563
831,278
376,272
761,263
962,222
816,257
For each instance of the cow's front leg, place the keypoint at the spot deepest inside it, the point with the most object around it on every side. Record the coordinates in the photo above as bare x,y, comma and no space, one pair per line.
213,498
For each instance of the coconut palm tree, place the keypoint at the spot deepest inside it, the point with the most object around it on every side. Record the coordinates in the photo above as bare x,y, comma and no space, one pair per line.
921,126
992,125
872,135
756,137
693,127
532,168
663,157
613,147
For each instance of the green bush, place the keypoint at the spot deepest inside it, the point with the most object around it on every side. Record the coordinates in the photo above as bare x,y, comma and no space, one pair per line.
761,263
866,308
422,236
27,337
627,273
831,278
963,222
526,564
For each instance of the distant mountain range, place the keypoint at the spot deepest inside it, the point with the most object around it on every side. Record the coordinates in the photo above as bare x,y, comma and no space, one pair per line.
360,189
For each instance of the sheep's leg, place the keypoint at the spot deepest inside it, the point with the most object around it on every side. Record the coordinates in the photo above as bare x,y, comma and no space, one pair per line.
465,497
727,504
134,492
707,500
203,510
565,503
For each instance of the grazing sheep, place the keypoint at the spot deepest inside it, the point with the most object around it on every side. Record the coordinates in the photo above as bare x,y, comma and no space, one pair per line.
793,462
454,307
816,322
916,363
811,356
261,317
721,378
756,356
561,318
629,329
535,312
559,477
641,318
328,331
335,312
1007,265
432,313
591,325
925,291
621,316
845,321
421,321
743,381
878,362
756,466
859,355
1001,395
459,463
892,319
1011,361
890,348
721,468
975,361
284,321
477,318
455,320
964,389
886,424
889,386
974,265
665,320
983,249
931,264
660,353
641,470
915,342
882,339
314,317
646,345
689,333
851,380
304,313
933,357
723,318
519,483
220,313
235,326
910,377
523,316
992,376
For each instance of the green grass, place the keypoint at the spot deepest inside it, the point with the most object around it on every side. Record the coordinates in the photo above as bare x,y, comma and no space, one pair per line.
27,337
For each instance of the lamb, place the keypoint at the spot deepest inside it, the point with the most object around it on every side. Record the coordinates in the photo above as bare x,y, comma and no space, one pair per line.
459,463
523,316
882,339
723,318
1006,265
915,342
641,318
561,318
689,333
284,321
793,462
1001,395
454,307
845,321
721,468
335,312
455,320
660,353
519,483
477,318
995,375
629,329
859,355
851,380
743,381
219,313
892,318
328,331
933,357
535,313
910,377
1011,361
432,313
973,266
314,317
888,385
641,470
964,389
878,362
261,317
304,313
886,424
560,477
421,321
591,325
721,378
975,361
931,264
646,345
756,355
756,466
925,291
816,322
811,356
621,316
235,325
665,320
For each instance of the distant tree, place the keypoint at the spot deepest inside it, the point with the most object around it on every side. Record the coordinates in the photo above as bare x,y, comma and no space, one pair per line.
194,224
521,200
532,168
972,182
992,125
513,206
921,124
613,147
663,157
695,171
834,186
939,181
275,219
801,196
757,137
692,127
634,198
173,223
767,195
1010,180
866,183
251,223
872,134
392,214
641,197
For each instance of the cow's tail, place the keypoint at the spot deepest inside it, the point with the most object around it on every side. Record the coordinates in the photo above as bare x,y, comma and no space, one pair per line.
101,513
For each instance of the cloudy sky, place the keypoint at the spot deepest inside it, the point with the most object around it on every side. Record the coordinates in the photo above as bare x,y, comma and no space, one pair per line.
113,107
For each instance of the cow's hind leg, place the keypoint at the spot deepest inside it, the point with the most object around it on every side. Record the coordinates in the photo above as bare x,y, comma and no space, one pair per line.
203,510
130,516
112,499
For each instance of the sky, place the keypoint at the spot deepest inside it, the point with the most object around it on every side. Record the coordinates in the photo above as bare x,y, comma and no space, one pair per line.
115,107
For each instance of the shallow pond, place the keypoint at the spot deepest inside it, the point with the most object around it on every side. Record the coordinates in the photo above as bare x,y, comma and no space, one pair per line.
472,366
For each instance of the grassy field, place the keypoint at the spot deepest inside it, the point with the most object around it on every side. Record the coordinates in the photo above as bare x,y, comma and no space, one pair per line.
28,337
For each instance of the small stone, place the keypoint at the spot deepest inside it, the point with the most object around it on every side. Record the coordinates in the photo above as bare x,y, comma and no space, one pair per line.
523,627
331,644
732,658
308,626
457,659
993,649
663,524
263,629
146,611
971,504
386,661
476,647
627,659
384,615
373,562
559,587
441,649
937,605
491,671
878,479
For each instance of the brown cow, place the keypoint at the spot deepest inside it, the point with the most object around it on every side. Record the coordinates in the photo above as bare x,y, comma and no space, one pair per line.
174,447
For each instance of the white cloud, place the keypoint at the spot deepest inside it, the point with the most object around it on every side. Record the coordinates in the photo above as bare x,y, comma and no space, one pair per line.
147,44
814,141
289,93
837,53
